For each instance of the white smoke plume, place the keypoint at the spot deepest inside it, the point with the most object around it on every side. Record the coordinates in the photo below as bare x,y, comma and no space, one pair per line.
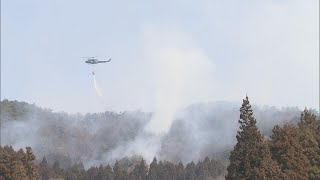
181,71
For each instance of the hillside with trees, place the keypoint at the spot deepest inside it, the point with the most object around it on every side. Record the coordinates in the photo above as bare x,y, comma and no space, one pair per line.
292,151
205,142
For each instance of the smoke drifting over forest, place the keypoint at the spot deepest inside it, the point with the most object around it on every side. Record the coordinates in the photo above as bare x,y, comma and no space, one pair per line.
177,64
200,130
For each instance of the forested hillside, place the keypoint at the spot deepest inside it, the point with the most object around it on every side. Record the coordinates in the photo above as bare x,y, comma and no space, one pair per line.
197,146
200,130
292,151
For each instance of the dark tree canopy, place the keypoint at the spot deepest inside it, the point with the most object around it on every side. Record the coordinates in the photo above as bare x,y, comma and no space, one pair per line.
17,165
288,152
251,157
309,136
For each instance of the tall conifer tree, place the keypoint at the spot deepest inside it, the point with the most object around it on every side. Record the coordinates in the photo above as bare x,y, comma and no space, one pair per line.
309,127
153,170
288,152
251,157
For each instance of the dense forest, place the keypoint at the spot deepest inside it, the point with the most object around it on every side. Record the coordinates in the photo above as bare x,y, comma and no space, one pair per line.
206,141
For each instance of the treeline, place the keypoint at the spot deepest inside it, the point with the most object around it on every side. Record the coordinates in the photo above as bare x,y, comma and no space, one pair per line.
156,170
204,129
19,165
54,134
292,152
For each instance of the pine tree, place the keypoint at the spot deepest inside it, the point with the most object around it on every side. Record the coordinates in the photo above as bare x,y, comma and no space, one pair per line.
152,175
17,165
161,171
30,167
56,165
310,120
102,174
44,170
216,168
57,172
308,126
76,172
180,171
134,176
169,171
190,171
5,159
92,173
17,169
251,157
139,172
288,152
143,169
203,169
119,172
109,172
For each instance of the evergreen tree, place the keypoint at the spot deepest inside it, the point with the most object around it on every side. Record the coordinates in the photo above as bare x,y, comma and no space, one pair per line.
180,171
30,167
308,119
203,169
57,172
92,173
288,152
161,171
102,174
139,172
17,169
56,165
5,159
143,169
70,175
17,165
119,172
216,168
152,175
251,157
169,171
312,151
134,176
44,170
109,173
190,172
309,139
77,171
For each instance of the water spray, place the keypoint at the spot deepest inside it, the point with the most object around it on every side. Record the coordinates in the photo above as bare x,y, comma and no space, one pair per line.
96,87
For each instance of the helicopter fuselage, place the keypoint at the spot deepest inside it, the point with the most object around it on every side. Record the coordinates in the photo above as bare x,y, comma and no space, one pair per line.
95,61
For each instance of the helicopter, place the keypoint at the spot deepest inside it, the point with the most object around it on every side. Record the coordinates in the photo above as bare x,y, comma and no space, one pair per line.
93,60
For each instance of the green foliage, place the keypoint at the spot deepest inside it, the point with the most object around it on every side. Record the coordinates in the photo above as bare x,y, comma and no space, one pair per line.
15,110
251,157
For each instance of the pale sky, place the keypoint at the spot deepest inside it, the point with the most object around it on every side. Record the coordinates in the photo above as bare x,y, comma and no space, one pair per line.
165,54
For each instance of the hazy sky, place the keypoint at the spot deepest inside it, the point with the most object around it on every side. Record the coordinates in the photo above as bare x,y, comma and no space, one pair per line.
165,54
